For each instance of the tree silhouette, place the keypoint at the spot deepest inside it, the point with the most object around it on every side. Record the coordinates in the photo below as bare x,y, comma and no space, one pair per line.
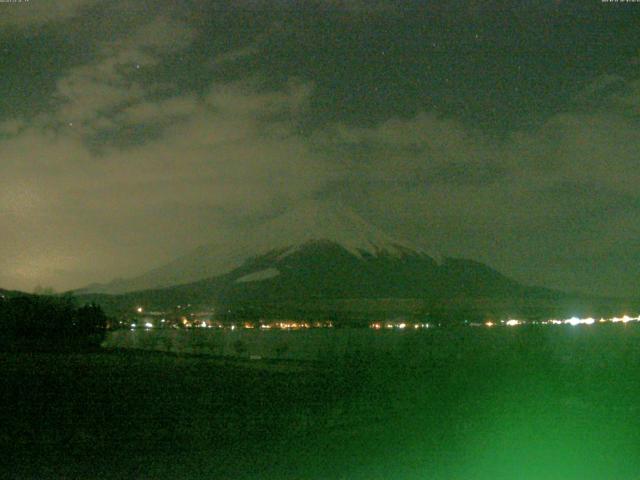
50,322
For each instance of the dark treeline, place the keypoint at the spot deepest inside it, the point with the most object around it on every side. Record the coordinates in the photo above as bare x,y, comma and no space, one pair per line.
49,323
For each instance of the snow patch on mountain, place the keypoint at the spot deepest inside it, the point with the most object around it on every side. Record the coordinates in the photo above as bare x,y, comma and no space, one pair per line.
260,275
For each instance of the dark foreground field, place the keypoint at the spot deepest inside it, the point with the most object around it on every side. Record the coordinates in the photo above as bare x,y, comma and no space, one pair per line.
558,403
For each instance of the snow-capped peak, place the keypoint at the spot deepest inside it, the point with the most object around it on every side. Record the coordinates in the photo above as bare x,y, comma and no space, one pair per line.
286,233
329,221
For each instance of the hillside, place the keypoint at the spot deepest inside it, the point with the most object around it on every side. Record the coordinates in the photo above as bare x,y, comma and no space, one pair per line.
319,260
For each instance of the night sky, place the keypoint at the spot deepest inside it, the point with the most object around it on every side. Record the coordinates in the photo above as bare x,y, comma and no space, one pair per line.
506,132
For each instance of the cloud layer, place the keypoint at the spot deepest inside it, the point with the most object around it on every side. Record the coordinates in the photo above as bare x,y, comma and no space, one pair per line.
128,169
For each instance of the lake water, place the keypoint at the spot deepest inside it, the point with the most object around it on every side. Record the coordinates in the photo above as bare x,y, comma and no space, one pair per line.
562,343
311,344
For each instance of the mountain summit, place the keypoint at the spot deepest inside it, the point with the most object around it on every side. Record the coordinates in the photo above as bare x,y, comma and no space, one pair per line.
287,233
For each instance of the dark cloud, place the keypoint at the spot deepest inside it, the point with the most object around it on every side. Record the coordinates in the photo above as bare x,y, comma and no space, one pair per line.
29,14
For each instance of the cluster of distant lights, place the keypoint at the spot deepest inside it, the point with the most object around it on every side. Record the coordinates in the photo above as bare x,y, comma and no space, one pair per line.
298,325
183,322
244,326
398,326
293,325
573,321
512,322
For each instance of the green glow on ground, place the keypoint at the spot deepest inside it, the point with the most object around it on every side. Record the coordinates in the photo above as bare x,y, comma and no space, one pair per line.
525,405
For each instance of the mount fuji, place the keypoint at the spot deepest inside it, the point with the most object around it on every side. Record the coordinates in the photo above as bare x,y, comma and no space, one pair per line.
308,224
323,260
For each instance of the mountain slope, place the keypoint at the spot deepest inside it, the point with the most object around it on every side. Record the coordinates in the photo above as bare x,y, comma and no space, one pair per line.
325,269
322,260
322,279
285,234
321,275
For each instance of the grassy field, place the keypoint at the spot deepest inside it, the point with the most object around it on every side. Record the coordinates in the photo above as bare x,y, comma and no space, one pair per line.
542,404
